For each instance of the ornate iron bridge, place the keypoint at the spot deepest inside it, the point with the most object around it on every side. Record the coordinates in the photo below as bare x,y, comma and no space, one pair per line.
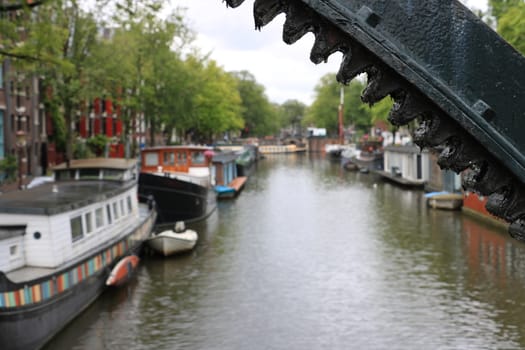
443,67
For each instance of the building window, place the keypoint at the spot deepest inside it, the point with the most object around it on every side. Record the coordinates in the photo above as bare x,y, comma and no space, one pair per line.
76,228
122,210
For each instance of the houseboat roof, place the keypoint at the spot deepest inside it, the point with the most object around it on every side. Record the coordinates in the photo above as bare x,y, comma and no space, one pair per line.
224,157
58,197
178,147
100,163
404,149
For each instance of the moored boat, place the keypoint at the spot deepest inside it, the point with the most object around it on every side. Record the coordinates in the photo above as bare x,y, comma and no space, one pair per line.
180,181
228,183
58,243
444,200
370,156
171,242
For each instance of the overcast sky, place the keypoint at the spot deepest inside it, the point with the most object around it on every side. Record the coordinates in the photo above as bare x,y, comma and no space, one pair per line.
285,71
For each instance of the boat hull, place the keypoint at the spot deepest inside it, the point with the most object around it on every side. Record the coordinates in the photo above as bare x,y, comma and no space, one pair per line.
32,324
446,201
173,243
177,200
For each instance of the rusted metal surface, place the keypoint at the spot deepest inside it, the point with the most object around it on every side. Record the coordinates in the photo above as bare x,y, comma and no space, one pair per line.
443,67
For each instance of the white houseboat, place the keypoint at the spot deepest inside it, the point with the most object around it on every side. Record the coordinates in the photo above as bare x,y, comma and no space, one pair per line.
59,242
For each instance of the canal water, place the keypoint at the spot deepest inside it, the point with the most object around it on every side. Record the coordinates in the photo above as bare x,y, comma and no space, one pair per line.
310,256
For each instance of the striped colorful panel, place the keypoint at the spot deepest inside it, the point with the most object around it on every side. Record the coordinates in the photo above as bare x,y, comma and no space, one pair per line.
27,296
47,289
37,293
11,300
91,266
98,262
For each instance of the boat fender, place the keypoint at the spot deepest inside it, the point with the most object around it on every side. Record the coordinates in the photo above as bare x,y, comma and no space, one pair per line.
151,202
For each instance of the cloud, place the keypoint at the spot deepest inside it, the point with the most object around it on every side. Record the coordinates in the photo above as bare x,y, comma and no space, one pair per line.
285,71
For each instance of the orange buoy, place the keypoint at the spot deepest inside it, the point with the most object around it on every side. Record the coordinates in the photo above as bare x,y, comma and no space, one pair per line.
123,271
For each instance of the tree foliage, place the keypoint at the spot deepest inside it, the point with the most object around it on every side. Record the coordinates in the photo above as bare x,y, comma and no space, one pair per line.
291,113
258,113
511,25
324,111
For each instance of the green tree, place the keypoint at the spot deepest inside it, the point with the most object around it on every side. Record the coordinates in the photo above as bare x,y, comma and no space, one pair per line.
291,114
511,25
324,111
499,8
259,115
217,105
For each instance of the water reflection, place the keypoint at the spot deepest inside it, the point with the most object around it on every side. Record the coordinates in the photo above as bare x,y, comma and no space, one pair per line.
311,256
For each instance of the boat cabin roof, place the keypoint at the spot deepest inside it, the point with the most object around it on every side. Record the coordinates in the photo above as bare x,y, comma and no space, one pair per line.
58,197
190,148
99,163
225,157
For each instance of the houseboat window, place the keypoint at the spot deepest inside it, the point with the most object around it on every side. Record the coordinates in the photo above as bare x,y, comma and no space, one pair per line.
88,174
76,228
108,210
65,175
130,207
151,159
99,217
197,158
89,222
181,158
122,210
169,158
13,251
115,210
110,174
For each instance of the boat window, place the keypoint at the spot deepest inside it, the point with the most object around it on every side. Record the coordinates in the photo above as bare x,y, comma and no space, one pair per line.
108,210
89,222
122,210
111,174
76,228
169,158
130,207
181,158
67,174
13,251
151,159
197,158
115,210
88,174
99,217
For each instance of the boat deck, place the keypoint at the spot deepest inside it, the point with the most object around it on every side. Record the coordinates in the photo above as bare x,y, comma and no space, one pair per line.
238,183
58,197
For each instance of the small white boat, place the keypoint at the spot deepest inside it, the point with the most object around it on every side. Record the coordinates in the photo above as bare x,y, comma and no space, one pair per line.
444,200
171,242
